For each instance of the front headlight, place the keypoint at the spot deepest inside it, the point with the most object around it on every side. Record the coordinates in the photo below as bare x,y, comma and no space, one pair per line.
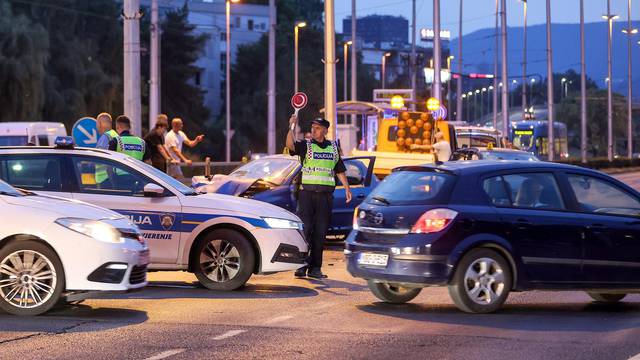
94,229
283,223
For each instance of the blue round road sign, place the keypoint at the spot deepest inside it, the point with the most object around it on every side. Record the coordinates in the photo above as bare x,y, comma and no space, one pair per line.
85,132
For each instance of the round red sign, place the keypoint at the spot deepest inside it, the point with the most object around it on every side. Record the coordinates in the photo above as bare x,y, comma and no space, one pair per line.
299,100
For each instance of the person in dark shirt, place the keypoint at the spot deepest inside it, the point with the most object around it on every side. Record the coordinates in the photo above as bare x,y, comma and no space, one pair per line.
321,163
155,144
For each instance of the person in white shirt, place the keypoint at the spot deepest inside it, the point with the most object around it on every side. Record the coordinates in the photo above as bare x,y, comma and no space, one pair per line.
441,148
173,142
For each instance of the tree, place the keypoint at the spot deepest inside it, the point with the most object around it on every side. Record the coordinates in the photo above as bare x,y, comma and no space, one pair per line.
23,60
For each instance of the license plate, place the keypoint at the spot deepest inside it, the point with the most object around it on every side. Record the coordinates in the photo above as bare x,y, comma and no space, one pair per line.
373,259
143,257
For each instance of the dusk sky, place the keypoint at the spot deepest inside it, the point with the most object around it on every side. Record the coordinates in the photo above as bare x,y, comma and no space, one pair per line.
478,14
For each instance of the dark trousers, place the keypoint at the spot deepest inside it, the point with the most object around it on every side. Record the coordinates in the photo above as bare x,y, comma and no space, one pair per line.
314,209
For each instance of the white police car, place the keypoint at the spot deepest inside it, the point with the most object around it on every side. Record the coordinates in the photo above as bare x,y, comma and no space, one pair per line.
52,248
220,238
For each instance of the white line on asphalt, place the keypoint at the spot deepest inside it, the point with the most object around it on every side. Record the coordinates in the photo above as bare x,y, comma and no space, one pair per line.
228,334
278,319
636,357
166,354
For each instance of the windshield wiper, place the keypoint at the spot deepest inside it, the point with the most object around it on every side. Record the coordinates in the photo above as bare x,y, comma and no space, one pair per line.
381,199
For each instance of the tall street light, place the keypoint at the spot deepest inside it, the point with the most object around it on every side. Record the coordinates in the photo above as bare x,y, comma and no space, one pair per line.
495,65
468,107
271,80
550,85
354,58
475,105
563,85
629,31
504,74
460,116
437,56
296,28
450,82
228,82
609,17
384,65
346,58
583,90
524,59
484,90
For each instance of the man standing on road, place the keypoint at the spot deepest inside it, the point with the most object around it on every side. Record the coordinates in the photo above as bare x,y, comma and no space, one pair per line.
321,163
128,143
155,142
441,148
105,130
173,142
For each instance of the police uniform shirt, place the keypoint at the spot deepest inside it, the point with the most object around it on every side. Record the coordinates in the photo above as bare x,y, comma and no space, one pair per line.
301,151
113,145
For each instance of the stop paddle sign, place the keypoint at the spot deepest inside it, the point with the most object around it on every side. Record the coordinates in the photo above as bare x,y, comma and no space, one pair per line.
299,101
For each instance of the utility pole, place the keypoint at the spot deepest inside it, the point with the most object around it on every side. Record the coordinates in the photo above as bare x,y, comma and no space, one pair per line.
154,76
495,70
412,66
460,114
131,16
550,84
583,90
354,58
524,61
505,76
437,57
228,133
629,31
271,92
609,18
330,68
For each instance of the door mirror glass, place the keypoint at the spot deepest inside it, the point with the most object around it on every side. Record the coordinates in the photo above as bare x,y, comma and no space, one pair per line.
153,190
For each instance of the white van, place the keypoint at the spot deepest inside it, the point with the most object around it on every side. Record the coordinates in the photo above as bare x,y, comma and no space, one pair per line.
37,133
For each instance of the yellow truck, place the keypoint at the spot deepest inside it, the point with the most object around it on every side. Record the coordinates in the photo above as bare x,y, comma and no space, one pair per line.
405,140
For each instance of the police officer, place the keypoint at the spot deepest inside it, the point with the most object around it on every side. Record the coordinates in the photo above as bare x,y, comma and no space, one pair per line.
105,129
128,143
321,162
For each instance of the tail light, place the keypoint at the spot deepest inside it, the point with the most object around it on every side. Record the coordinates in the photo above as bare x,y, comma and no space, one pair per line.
433,221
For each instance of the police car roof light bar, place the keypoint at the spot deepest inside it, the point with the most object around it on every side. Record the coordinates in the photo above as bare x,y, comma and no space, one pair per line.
64,142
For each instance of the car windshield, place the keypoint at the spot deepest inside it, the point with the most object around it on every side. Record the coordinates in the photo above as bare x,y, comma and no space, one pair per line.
523,139
507,155
475,140
411,187
184,189
13,140
274,171
6,189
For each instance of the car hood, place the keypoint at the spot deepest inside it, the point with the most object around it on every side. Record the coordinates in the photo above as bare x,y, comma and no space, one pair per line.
63,207
224,184
238,205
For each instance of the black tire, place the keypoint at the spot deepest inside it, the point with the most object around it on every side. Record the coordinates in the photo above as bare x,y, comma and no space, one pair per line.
607,298
55,285
482,302
392,293
227,276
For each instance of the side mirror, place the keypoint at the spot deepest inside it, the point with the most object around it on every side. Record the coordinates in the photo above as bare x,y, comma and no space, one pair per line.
153,190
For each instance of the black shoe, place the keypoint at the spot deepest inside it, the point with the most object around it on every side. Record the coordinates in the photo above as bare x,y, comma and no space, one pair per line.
302,272
316,274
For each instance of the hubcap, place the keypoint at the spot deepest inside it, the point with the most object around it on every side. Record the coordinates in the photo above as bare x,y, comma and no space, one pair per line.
27,279
484,281
220,260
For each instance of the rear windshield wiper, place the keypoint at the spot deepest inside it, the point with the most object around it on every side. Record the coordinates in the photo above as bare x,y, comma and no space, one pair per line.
381,199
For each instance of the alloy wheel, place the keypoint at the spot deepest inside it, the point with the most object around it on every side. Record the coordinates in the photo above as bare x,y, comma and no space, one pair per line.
484,281
27,279
220,260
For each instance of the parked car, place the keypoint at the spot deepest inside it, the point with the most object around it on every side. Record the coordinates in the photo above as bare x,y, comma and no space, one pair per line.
485,228
489,153
53,249
275,179
221,239
34,133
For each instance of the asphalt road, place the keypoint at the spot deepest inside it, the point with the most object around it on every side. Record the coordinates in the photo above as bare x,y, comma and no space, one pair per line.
281,317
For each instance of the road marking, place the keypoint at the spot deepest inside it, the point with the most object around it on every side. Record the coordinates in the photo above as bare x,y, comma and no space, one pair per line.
278,319
166,354
636,357
228,334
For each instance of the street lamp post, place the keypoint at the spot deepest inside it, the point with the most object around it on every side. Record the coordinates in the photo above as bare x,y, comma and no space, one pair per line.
629,31
609,17
550,85
524,60
228,82
504,72
475,105
468,107
583,90
296,35
460,116
484,90
511,88
384,65
437,56
533,81
563,84
345,48
451,57
495,65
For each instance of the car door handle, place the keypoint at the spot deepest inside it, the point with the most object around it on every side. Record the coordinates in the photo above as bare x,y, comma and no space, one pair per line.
596,227
523,224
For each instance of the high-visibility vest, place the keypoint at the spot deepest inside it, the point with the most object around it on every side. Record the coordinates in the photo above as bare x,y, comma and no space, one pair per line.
101,170
130,145
111,134
319,164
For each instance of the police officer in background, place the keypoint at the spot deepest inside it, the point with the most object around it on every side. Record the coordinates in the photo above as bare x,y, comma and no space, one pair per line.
105,130
128,143
321,163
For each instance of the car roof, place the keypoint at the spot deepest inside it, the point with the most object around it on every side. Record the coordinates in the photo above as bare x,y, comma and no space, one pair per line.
55,150
470,167
497,149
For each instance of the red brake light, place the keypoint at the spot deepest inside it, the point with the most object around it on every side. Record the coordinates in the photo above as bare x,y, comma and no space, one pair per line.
433,220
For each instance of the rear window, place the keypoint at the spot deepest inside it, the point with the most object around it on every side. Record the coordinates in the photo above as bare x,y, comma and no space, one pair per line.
413,187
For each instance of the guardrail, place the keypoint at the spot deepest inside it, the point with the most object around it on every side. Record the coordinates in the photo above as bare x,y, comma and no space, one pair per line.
206,167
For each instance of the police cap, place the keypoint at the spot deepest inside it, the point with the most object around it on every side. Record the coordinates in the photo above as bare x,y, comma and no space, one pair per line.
321,122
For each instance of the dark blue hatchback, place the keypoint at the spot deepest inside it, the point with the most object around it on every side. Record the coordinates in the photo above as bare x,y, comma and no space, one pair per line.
485,228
